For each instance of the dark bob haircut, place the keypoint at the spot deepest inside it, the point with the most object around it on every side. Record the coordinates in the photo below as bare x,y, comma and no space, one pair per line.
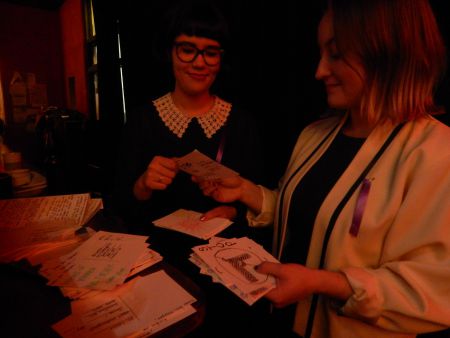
196,18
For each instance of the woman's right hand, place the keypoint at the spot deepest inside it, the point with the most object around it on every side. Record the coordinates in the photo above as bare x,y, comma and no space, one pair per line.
159,175
224,190
232,189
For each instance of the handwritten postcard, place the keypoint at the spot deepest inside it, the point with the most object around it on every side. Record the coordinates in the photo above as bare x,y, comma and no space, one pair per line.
102,262
232,262
198,164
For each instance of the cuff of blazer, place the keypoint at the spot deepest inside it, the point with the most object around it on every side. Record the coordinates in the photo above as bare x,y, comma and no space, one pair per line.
366,301
266,216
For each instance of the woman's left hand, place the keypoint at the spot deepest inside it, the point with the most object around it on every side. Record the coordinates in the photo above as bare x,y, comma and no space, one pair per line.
294,282
223,211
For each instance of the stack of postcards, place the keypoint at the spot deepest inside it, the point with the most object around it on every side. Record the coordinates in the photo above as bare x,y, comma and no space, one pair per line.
232,262
41,228
102,262
106,302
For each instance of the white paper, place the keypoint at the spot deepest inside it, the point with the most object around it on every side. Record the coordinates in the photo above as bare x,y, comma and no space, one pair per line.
138,308
31,226
20,212
101,263
232,262
188,222
200,165
147,259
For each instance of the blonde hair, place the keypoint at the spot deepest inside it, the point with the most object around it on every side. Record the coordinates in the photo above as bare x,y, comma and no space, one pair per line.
402,52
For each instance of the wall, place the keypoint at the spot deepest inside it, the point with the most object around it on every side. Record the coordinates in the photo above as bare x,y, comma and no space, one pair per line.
49,44
73,50
30,42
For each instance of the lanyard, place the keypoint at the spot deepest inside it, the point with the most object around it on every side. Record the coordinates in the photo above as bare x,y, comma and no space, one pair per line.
221,147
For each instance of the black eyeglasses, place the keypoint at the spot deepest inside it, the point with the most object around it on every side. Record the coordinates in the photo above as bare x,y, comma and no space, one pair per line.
188,52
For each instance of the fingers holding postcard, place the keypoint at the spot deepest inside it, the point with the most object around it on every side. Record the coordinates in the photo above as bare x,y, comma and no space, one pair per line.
200,165
232,262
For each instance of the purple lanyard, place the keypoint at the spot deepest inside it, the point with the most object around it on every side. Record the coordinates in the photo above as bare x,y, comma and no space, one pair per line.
360,206
220,150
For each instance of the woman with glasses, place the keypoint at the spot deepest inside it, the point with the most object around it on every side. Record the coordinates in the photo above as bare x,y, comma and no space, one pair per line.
361,216
190,116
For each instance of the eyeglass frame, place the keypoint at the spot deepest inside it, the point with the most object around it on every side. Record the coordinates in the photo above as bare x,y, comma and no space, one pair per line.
198,52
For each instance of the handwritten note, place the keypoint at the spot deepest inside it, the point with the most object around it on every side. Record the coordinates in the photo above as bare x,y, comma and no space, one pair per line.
21,212
198,164
101,263
147,259
33,227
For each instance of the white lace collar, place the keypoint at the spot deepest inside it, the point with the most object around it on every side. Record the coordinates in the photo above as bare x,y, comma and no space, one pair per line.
177,122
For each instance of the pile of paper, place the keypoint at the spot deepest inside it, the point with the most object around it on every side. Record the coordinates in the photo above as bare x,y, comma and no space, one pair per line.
40,228
232,262
147,259
102,262
92,268
138,308
188,222
94,274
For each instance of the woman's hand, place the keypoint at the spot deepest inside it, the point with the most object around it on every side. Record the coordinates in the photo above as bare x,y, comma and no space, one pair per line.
293,282
159,175
224,190
296,282
232,189
223,211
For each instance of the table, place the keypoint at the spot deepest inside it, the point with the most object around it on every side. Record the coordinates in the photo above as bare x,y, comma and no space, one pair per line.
30,307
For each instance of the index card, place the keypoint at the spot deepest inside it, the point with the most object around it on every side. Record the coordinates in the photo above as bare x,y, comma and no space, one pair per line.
188,222
200,165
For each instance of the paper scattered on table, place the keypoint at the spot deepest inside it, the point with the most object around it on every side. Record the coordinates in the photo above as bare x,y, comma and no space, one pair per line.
232,262
198,164
138,308
33,227
188,222
147,259
21,212
43,252
102,262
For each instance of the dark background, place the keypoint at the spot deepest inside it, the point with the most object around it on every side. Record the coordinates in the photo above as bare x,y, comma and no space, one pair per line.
269,70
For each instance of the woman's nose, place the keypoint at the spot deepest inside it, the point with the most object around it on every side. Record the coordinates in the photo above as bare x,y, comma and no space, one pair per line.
199,61
323,69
